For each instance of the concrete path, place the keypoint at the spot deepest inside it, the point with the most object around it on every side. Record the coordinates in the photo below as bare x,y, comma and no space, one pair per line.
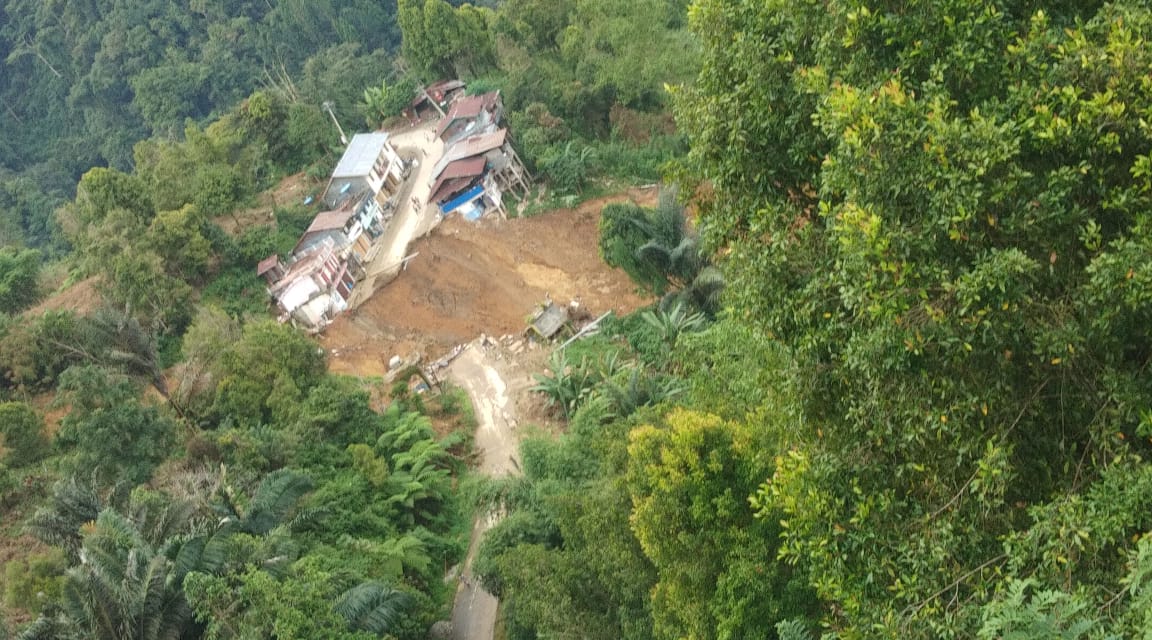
413,217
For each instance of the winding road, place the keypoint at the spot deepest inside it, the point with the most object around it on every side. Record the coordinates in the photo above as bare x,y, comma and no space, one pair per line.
474,613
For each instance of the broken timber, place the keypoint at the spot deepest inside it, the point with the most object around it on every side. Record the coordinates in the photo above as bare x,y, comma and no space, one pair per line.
585,330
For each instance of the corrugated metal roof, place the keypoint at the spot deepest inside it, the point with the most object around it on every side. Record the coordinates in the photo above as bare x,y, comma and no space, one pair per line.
473,166
467,107
305,265
330,220
456,176
360,155
267,264
462,198
550,321
445,85
447,188
469,147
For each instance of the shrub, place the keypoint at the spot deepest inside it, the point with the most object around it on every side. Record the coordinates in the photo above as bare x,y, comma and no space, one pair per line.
22,439
237,291
18,278
567,167
35,582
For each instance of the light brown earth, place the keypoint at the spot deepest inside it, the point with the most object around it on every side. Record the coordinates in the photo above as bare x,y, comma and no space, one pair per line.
291,190
476,284
482,278
82,297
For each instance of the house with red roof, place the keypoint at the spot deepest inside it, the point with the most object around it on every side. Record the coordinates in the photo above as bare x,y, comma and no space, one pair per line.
471,115
474,173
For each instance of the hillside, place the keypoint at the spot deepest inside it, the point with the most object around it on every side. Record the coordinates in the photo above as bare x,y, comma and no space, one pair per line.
173,460
878,364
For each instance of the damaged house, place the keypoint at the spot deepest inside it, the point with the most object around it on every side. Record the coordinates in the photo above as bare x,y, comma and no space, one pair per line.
314,289
326,262
479,163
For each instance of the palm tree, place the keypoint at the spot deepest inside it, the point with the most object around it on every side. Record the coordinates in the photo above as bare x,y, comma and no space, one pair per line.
373,607
115,339
641,389
52,627
126,587
419,481
567,386
674,252
273,505
74,502
702,292
132,559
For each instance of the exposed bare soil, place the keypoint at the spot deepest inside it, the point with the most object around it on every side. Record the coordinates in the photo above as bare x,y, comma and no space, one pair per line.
471,281
482,278
82,297
289,191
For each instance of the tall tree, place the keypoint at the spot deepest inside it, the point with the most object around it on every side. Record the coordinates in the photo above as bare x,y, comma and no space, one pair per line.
442,41
938,211
109,431
22,438
19,286
126,586
717,577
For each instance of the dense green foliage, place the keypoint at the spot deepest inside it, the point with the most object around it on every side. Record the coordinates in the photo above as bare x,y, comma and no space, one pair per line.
583,81
637,522
942,214
83,82
441,41
22,439
278,503
926,411
898,384
259,496
109,432
656,248
18,285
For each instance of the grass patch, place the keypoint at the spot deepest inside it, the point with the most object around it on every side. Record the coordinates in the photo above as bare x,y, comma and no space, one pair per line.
542,200
238,291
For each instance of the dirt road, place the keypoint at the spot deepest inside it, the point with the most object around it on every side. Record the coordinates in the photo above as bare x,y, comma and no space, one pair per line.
492,381
472,279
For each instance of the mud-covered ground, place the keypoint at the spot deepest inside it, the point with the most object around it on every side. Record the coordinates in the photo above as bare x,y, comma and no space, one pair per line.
479,278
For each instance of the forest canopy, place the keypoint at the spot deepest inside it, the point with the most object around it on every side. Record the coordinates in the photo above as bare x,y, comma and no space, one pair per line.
942,213
896,383
83,82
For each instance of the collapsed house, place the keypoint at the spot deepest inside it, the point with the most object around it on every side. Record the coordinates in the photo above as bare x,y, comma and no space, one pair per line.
314,289
470,115
433,97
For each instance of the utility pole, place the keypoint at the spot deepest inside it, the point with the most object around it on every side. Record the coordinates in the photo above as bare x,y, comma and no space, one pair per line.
328,106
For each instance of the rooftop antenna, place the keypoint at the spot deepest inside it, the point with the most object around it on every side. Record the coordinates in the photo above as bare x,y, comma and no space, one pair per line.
328,106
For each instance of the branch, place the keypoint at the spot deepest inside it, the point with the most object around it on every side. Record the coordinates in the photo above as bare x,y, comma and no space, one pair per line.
8,108
912,609
1019,417
33,49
